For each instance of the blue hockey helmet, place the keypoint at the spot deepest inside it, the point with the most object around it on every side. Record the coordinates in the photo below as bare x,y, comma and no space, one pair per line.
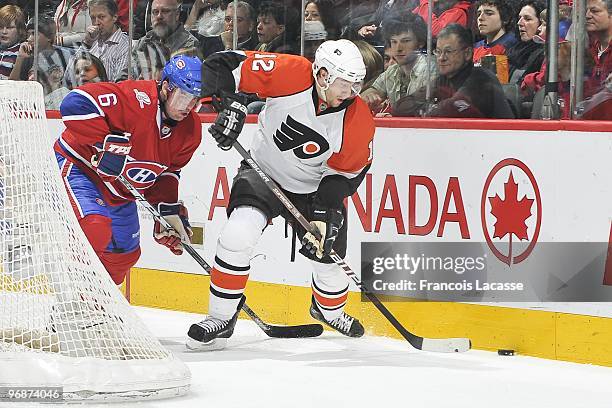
184,72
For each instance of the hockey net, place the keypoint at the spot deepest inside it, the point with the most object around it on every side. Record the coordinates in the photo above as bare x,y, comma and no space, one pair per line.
63,322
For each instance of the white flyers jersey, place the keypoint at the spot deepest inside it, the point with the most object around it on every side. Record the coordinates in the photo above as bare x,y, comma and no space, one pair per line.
299,139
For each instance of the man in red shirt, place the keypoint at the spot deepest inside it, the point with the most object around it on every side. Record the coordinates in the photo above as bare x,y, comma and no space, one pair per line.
599,27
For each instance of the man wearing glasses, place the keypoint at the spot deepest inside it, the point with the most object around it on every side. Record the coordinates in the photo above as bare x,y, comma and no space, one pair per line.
167,28
464,90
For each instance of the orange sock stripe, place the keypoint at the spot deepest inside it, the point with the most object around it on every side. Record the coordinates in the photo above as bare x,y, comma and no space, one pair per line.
330,302
228,281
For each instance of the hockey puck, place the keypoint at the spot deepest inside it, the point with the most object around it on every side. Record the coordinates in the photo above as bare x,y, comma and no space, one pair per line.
505,352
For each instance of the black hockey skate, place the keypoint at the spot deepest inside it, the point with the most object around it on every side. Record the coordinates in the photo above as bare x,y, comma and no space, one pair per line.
345,324
212,333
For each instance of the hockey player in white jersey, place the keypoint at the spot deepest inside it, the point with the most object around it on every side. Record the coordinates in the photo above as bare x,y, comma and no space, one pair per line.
314,138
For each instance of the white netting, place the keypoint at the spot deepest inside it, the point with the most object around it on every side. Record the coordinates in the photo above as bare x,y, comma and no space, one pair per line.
63,322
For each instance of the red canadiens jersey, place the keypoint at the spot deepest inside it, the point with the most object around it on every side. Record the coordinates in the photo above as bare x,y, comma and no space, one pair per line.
158,151
299,139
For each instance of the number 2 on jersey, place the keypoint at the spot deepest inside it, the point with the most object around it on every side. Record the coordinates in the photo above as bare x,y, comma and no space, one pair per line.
263,62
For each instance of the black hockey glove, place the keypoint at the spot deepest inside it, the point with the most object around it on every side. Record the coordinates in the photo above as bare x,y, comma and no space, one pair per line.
230,120
328,221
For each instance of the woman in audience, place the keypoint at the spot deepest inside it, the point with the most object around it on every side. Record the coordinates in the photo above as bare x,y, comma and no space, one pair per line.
527,55
12,33
323,10
494,18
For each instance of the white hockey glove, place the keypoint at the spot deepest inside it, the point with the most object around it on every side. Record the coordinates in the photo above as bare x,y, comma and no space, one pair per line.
177,216
328,221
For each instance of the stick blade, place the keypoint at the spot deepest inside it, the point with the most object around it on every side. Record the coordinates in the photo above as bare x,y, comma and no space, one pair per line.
294,332
452,345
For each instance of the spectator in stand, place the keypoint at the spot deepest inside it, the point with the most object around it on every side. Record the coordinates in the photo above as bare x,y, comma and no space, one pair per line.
167,27
462,90
48,53
445,12
71,21
599,28
105,40
323,11
527,55
12,33
370,30
149,60
535,81
276,28
407,38
494,18
206,16
88,68
314,35
246,23
27,6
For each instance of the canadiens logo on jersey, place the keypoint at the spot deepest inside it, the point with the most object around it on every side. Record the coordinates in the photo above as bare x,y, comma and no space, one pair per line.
142,98
143,174
305,142
165,131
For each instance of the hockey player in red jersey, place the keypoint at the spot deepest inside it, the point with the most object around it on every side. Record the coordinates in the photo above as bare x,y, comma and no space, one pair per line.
314,138
144,130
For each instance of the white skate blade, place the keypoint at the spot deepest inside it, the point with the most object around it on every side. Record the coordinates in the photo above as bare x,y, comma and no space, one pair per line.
215,344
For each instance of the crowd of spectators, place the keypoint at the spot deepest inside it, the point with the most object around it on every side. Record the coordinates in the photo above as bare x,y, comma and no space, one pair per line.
488,57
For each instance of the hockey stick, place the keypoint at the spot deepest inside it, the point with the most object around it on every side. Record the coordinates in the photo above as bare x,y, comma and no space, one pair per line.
449,345
300,331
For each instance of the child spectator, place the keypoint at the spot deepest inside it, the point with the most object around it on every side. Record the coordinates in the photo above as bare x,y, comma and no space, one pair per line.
48,53
494,18
88,68
12,33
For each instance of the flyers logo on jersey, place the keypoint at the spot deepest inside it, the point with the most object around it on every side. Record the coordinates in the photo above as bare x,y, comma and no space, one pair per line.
143,174
304,141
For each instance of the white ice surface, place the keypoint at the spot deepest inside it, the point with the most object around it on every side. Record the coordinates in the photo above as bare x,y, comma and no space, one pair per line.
335,371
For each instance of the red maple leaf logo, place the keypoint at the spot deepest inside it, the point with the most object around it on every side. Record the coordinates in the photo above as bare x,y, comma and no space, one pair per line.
511,213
